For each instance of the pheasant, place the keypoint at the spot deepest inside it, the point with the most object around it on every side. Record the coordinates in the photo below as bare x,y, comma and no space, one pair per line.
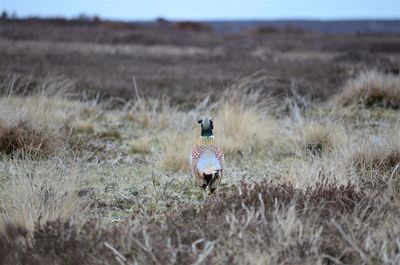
206,158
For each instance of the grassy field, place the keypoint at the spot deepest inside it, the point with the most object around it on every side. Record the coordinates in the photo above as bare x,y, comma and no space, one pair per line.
305,183
185,61
308,179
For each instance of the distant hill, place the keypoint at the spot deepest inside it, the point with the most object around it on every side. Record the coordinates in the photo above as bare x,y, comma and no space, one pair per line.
234,26
336,26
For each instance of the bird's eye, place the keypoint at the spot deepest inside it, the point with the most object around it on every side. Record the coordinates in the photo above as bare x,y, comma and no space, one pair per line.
200,121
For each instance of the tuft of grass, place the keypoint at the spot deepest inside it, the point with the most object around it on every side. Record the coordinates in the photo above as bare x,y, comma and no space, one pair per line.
244,130
38,123
318,138
175,150
371,89
38,191
111,133
243,123
376,162
150,113
83,127
25,138
140,145
377,157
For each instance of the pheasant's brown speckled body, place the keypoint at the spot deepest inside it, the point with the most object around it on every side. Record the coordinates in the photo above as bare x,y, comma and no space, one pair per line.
206,158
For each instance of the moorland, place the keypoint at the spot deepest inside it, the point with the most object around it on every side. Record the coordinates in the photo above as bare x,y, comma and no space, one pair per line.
97,119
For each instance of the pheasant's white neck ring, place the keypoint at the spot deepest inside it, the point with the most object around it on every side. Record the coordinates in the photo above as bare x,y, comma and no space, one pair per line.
207,137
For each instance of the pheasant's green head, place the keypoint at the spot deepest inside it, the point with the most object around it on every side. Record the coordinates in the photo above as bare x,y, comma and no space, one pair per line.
207,126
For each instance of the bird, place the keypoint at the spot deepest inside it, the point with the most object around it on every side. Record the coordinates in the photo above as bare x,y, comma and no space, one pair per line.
206,158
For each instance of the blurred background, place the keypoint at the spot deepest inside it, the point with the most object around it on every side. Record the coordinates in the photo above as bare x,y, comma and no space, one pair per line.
189,49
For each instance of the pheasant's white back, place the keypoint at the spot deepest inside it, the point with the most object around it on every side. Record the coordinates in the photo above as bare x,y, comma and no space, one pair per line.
208,161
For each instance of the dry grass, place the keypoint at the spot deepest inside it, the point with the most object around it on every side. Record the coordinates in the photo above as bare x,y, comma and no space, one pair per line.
83,126
140,145
242,129
378,153
371,89
38,191
321,137
377,162
175,150
38,124
24,138
300,187
264,223
150,113
141,51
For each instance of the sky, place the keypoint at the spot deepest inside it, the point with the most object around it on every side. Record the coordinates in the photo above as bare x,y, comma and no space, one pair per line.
207,9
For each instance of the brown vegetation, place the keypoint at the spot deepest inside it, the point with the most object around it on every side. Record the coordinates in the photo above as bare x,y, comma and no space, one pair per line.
38,124
306,181
23,138
133,202
262,223
371,89
103,57
318,138
192,26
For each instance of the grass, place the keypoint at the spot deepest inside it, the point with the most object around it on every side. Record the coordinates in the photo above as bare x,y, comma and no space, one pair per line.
317,137
376,162
245,127
371,89
140,145
84,126
39,123
302,185
175,150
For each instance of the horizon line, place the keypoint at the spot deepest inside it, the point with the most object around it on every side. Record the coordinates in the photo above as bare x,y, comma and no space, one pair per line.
13,15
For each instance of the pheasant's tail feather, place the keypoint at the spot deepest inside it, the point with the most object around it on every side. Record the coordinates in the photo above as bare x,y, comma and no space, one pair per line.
215,181
211,179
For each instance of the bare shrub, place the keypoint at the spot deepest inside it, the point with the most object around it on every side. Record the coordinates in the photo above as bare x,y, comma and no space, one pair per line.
371,89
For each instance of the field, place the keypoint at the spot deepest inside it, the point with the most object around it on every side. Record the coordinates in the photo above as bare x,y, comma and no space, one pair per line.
97,120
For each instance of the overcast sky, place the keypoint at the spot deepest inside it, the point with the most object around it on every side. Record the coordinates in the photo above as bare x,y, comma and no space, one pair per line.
208,9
